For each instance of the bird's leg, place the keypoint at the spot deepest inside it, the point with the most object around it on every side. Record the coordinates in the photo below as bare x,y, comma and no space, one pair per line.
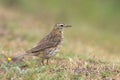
42,61
47,61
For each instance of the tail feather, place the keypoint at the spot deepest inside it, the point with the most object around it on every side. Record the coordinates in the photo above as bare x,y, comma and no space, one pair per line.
19,57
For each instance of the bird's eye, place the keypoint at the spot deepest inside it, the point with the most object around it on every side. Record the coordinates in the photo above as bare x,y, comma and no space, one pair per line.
61,25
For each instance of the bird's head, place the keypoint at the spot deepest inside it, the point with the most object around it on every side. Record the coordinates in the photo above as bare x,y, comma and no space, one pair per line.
61,26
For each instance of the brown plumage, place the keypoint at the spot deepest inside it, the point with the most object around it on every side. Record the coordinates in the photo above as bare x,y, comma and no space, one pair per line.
49,45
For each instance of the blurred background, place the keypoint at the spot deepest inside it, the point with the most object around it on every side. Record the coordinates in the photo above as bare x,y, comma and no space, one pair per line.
95,31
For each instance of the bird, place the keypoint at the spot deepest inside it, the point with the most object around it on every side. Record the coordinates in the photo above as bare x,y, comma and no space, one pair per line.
49,46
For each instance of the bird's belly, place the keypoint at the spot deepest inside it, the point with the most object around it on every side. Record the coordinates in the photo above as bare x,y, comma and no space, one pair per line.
52,51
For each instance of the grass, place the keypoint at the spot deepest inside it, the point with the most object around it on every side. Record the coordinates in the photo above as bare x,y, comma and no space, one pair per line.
77,60
60,69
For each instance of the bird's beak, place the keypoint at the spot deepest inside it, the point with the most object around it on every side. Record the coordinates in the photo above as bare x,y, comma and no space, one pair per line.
68,25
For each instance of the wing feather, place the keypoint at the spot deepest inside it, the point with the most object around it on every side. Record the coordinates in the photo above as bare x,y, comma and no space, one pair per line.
45,43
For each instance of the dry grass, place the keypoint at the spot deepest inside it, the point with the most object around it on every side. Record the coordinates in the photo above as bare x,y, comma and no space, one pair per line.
76,61
61,69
